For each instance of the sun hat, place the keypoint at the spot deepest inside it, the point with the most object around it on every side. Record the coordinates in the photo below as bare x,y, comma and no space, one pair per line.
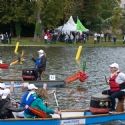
2,85
114,65
6,92
32,86
41,51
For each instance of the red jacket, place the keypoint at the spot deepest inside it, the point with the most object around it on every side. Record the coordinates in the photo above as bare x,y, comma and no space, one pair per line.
114,86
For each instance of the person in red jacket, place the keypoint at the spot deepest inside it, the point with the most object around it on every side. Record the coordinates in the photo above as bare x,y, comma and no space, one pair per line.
116,83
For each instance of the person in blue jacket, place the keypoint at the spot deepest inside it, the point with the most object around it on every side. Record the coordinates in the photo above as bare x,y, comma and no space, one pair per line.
40,63
28,97
39,103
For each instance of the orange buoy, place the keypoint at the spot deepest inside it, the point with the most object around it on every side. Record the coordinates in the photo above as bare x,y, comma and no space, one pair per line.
72,78
83,76
38,112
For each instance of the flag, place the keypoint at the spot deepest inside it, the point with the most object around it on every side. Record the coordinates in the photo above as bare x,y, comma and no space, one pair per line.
80,27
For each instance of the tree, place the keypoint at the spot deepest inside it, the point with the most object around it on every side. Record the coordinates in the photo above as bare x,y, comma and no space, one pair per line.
15,12
115,20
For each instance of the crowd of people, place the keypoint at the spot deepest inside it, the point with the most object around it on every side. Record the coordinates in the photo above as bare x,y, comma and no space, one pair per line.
53,36
5,38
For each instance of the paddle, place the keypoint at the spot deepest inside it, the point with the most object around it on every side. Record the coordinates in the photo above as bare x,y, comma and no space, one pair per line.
57,102
106,81
20,59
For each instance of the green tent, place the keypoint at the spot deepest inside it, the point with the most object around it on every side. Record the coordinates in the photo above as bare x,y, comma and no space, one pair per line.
80,27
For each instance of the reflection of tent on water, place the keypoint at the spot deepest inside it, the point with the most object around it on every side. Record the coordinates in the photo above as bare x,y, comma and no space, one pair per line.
70,26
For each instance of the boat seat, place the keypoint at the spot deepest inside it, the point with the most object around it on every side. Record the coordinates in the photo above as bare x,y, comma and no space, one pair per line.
120,105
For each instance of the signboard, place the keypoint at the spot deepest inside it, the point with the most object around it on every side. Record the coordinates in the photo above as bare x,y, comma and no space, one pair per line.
73,122
52,77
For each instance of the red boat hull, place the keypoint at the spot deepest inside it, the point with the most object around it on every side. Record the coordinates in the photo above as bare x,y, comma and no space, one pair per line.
4,66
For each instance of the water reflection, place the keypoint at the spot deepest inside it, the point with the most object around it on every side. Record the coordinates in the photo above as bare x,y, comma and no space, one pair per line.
61,62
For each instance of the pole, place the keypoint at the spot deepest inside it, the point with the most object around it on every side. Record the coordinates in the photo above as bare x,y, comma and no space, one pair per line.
57,102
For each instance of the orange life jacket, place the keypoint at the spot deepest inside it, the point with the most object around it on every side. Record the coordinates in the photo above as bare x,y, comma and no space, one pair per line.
114,86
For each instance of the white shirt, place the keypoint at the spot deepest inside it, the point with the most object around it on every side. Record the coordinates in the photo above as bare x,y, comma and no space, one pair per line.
120,79
45,37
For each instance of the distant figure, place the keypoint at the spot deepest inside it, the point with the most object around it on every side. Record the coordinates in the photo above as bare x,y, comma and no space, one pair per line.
45,38
124,39
114,39
1,61
95,38
40,63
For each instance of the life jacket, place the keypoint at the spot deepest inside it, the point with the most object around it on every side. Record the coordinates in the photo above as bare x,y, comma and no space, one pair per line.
114,86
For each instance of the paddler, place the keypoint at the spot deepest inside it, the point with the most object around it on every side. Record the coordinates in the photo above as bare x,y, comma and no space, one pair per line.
39,104
5,102
117,85
40,63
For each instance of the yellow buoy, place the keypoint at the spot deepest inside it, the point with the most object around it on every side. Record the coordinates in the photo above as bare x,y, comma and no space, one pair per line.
16,48
78,54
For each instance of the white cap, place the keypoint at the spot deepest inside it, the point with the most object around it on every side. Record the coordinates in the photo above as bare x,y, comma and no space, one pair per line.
2,85
114,65
41,51
32,86
6,92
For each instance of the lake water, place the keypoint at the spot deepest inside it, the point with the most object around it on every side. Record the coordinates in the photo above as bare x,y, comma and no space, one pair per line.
61,63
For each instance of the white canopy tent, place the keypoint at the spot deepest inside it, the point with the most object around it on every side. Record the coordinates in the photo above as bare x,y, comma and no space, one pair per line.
69,26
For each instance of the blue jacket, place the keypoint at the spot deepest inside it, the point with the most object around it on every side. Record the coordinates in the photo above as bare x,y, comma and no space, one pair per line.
27,100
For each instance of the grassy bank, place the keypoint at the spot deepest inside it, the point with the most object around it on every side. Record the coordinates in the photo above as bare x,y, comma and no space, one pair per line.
89,43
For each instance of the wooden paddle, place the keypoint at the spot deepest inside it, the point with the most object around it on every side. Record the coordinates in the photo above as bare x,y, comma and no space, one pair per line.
106,81
20,59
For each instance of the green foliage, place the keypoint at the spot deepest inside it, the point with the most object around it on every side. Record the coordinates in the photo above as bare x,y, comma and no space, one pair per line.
18,29
94,14
38,28
51,18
